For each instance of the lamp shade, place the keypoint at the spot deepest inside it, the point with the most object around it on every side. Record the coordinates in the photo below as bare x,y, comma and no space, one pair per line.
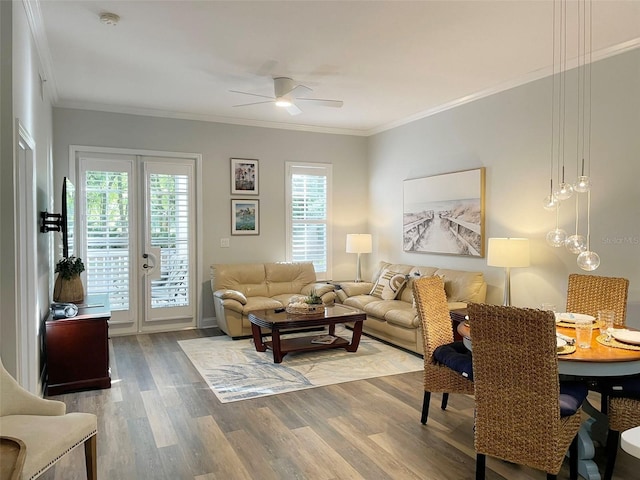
508,252
359,243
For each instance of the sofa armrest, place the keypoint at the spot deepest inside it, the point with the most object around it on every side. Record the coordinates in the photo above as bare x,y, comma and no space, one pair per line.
231,295
356,288
320,288
342,296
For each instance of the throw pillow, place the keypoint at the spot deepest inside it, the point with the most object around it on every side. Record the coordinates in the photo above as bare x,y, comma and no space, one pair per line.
388,285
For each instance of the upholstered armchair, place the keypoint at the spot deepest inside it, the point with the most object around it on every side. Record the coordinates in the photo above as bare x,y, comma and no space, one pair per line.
47,432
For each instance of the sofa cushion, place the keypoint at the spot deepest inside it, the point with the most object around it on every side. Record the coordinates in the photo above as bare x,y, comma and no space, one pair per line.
360,301
247,278
288,277
572,394
379,308
388,285
461,286
405,316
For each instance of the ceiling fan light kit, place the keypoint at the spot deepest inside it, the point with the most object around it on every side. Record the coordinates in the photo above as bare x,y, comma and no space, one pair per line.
286,95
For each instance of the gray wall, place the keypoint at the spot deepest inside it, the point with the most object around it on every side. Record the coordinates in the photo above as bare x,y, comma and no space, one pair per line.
509,134
22,99
218,143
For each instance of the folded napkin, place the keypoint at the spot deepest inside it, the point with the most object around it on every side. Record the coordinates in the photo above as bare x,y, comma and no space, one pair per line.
569,340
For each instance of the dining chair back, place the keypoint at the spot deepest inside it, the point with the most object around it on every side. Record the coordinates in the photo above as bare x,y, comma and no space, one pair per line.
623,414
437,330
589,293
517,391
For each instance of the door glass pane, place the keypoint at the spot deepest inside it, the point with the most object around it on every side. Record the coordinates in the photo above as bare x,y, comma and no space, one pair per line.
107,261
169,231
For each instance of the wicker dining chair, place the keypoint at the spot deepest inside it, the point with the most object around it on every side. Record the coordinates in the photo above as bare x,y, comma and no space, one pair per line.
517,390
623,413
589,293
437,330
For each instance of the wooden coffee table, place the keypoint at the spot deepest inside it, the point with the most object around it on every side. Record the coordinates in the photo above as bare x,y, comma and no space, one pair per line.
277,321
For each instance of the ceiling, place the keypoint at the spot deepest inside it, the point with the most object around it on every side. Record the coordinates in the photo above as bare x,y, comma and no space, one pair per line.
391,62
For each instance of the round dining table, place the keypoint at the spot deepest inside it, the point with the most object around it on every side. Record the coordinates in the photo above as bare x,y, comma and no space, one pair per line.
597,361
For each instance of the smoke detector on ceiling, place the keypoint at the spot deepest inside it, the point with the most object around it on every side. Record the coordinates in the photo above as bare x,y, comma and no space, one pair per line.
109,18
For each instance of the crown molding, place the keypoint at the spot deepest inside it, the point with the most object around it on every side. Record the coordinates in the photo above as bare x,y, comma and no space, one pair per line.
149,112
528,78
36,24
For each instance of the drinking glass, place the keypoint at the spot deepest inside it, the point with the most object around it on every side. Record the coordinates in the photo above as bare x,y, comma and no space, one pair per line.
583,333
605,322
548,306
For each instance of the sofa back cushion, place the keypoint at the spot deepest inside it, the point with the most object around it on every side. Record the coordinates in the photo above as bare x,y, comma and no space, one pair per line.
462,286
288,277
415,273
248,278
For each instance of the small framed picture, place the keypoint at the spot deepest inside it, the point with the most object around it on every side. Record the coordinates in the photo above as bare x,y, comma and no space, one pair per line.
244,176
245,217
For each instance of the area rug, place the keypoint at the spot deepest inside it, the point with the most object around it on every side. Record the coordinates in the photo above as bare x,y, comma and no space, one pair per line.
235,371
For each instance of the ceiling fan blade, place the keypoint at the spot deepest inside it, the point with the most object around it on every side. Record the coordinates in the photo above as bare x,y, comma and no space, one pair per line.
322,102
253,103
252,94
293,109
299,90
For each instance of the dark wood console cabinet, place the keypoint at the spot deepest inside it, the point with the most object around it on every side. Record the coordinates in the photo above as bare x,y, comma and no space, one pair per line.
77,349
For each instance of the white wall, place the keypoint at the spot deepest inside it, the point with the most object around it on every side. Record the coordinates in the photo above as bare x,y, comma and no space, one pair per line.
509,134
32,108
218,143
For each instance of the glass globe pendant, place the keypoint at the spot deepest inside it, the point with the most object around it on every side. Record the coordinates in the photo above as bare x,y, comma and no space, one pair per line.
583,184
588,260
556,237
550,202
564,191
575,243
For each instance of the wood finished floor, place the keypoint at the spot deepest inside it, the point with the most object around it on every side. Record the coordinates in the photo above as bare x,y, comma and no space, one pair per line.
160,421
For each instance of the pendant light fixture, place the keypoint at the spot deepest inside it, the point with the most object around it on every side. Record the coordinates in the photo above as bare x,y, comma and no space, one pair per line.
576,243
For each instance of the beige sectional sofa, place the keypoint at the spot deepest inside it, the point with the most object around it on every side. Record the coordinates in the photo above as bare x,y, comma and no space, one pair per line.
393,317
244,287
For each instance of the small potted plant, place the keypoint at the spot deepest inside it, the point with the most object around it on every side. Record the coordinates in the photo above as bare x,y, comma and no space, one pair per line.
68,286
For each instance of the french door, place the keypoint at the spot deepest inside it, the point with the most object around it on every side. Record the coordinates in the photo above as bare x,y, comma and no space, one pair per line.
136,235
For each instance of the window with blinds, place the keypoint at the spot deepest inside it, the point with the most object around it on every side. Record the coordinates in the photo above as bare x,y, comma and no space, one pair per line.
107,211
308,218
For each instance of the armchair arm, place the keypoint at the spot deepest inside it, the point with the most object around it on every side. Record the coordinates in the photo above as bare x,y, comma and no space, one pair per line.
15,400
320,288
232,295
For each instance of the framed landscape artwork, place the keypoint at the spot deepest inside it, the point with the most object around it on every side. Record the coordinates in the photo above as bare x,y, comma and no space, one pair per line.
244,176
245,217
445,214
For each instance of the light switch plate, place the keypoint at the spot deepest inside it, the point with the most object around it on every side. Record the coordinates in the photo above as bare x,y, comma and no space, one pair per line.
224,243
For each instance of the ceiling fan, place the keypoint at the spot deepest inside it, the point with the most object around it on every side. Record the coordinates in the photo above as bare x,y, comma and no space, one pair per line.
287,94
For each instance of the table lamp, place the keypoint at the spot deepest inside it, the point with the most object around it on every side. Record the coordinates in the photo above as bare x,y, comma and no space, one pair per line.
359,243
508,253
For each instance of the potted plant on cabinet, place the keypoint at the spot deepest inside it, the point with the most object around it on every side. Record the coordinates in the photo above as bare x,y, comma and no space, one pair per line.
68,286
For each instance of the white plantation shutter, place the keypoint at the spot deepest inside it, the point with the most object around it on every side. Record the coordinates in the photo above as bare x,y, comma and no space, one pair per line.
308,219
169,231
107,211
